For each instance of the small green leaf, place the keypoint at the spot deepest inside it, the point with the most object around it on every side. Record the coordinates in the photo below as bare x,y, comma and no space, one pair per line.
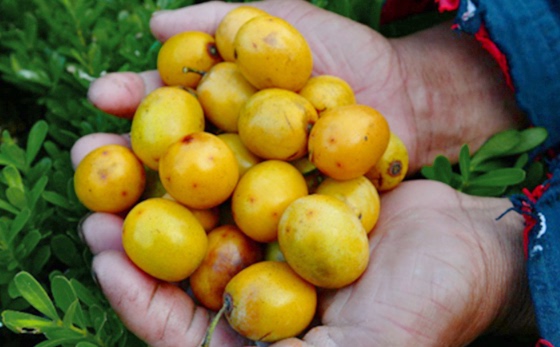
35,139
35,294
484,191
63,293
16,197
14,155
499,178
521,161
29,243
63,333
67,300
57,200
98,318
40,258
496,146
70,314
13,177
442,169
84,293
465,162
4,205
21,322
530,139
86,344
37,190
18,224
65,250
428,172
491,165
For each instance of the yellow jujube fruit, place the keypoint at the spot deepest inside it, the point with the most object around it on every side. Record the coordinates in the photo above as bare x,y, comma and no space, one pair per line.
347,141
268,301
164,116
323,241
271,53
262,195
164,239
229,26
199,171
359,194
275,123
183,57
391,169
109,179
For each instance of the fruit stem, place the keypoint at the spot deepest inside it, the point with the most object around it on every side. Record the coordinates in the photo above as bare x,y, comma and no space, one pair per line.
212,327
187,69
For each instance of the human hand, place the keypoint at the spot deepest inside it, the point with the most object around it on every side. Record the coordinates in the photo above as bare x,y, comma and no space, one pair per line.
442,272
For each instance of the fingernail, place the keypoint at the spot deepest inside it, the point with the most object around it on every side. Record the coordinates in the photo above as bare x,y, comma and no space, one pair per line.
94,277
81,227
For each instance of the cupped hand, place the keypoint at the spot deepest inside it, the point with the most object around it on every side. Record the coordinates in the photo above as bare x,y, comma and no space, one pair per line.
442,272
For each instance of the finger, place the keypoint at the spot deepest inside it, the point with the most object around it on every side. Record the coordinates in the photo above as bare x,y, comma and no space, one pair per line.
158,312
102,232
201,17
206,17
120,93
88,143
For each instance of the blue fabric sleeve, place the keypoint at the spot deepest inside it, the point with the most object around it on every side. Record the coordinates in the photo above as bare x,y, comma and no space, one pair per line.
543,252
528,33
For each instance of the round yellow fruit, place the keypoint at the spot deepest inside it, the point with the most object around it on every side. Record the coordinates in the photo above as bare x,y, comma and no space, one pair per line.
275,123
109,179
183,52
262,195
359,194
164,116
164,239
347,141
228,27
391,169
271,53
268,301
323,241
326,92
229,251
199,171
221,93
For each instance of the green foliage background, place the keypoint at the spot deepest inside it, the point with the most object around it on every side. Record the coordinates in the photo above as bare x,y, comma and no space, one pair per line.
50,51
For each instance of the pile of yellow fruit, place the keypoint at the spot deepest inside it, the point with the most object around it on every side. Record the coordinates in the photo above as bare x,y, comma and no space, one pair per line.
270,175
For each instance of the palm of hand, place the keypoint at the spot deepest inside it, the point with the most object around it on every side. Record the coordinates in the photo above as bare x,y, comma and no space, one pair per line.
426,283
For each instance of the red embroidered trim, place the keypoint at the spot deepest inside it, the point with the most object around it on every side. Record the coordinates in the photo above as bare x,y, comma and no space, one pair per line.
526,209
484,38
544,343
447,5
